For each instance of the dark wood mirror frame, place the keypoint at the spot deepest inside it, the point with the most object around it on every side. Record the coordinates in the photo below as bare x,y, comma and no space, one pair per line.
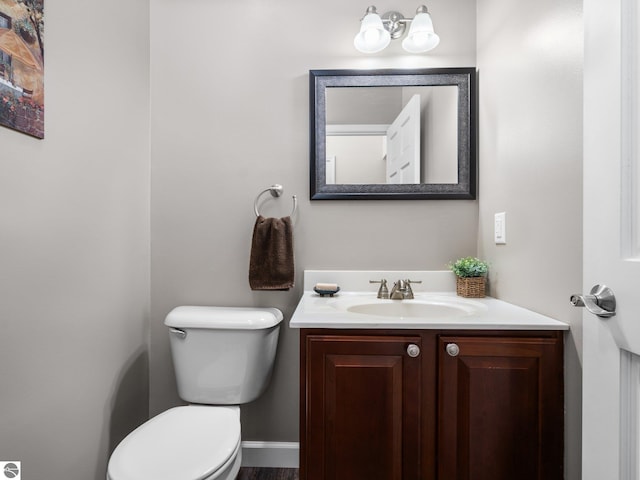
463,78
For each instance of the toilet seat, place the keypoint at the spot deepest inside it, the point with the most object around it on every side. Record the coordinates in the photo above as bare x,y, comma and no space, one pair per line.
183,443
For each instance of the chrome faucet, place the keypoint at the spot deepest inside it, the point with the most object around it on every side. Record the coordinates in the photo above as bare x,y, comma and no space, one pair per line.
402,290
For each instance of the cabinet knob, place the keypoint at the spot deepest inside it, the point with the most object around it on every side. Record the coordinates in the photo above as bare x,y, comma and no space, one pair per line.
413,350
453,349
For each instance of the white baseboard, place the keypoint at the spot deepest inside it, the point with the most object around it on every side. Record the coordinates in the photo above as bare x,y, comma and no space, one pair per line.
270,454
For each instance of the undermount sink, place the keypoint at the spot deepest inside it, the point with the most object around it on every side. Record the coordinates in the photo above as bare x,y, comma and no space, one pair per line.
427,307
406,309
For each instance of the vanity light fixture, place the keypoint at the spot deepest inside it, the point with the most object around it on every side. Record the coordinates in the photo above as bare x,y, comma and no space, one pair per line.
377,32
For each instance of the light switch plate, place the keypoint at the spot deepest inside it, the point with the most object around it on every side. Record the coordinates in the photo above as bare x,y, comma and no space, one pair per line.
500,228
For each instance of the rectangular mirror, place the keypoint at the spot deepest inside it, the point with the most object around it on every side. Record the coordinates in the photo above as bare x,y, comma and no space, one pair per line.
393,134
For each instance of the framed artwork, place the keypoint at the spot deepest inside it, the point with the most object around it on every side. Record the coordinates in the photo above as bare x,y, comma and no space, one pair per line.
22,66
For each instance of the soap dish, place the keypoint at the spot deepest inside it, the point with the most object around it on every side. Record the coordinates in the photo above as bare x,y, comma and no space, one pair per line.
324,293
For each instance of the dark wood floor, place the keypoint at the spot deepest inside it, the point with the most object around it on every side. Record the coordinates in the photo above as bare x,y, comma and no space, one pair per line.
251,473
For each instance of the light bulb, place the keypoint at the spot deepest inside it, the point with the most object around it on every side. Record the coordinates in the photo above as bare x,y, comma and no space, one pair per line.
372,37
421,37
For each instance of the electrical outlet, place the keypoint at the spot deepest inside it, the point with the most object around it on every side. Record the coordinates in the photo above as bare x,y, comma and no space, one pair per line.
500,228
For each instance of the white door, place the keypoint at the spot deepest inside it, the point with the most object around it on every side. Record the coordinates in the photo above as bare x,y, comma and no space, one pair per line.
611,370
330,170
403,145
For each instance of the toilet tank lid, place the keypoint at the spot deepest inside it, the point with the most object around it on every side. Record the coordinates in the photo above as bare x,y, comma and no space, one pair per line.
231,318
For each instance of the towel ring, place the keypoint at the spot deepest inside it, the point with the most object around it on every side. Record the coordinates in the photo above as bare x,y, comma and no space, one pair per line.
276,191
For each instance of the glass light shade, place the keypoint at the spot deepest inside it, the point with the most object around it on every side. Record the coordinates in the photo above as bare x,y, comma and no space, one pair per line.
372,37
421,37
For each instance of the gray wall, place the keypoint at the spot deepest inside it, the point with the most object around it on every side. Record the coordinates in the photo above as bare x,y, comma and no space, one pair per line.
74,229
230,117
530,64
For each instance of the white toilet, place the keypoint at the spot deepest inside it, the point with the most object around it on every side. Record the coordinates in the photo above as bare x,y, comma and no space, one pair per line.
223,357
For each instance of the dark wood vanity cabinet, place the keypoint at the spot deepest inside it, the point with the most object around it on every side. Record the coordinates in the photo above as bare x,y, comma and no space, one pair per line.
363,396
500,408
472,405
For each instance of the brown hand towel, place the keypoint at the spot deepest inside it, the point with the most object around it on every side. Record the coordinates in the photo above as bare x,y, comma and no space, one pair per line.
271,262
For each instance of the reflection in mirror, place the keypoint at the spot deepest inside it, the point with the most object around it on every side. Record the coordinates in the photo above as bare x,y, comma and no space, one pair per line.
416,125
393,134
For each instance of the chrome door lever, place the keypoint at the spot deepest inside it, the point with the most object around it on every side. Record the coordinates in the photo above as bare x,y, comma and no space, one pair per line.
601,301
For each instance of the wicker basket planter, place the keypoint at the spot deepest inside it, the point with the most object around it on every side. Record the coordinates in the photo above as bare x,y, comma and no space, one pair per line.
470,287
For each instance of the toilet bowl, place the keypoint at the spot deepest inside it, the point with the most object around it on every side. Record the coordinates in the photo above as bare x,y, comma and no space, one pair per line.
183,443
222,357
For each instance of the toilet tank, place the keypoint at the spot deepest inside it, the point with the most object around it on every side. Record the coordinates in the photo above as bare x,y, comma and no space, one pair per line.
223,355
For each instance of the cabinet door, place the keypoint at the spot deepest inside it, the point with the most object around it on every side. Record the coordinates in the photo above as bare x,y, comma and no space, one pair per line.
362,401
500,403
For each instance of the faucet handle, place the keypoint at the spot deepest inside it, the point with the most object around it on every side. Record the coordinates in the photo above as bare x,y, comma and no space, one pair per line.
408,287
383,291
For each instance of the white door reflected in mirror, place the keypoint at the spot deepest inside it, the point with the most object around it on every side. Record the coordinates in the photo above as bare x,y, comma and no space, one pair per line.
403,143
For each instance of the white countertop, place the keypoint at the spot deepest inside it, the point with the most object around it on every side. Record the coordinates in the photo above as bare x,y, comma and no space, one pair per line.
314,311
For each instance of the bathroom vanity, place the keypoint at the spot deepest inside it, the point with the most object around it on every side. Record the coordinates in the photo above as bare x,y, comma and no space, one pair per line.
470,391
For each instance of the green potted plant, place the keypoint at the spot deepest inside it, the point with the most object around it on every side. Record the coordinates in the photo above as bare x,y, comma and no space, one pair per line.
471,275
